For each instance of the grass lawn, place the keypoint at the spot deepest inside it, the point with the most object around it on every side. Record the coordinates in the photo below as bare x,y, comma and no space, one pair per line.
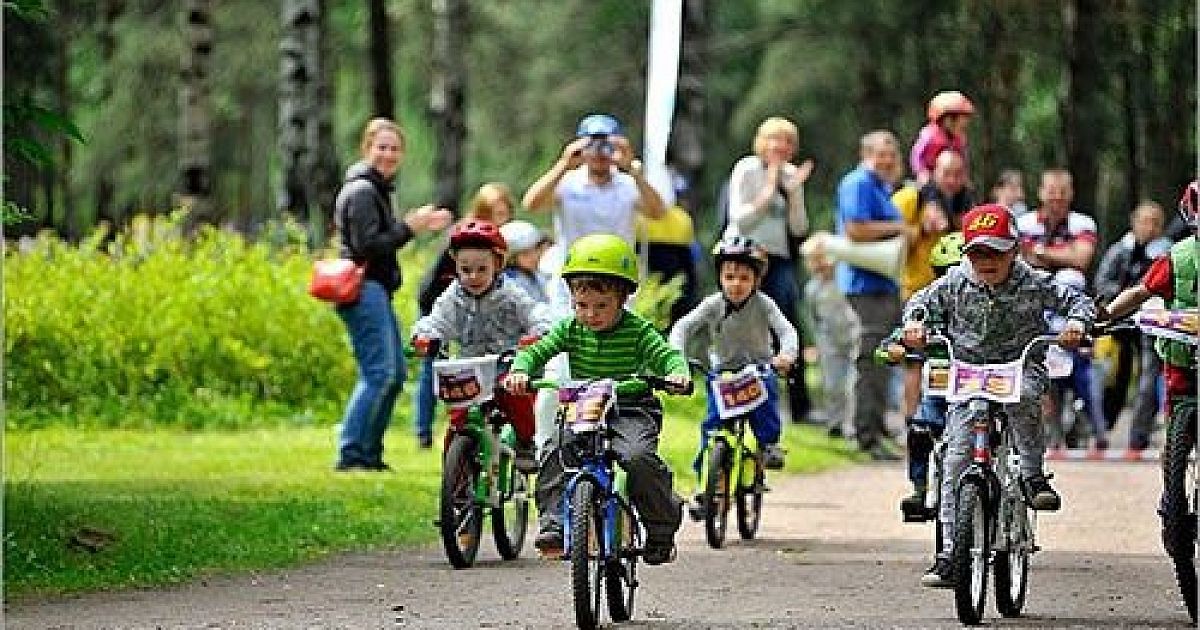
98,509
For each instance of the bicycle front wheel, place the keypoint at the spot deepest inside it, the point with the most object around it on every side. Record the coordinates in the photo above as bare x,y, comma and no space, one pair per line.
1012,562
969,555
586,554
750,499
1179,501
460,518
716,493
621,572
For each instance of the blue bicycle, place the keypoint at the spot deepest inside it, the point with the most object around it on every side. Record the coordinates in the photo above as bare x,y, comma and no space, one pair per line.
603,534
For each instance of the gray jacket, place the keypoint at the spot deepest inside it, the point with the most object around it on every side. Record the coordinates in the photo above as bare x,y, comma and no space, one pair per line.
1125,262
736,335
490,323
992,325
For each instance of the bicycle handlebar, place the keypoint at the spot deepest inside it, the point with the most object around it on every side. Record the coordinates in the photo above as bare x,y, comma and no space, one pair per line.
632,386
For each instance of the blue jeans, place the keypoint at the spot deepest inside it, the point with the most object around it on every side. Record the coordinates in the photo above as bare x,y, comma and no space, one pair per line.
375,338
764,421
423,400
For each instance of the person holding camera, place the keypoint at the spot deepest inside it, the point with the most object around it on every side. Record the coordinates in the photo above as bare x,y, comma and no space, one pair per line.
596,185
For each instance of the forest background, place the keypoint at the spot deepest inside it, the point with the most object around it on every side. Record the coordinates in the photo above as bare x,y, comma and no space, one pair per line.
248,110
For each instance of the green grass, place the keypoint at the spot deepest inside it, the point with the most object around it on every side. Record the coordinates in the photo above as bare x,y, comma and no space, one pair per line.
166,506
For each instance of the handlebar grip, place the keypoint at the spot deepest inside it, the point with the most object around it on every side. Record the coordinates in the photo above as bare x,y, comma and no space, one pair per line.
543,383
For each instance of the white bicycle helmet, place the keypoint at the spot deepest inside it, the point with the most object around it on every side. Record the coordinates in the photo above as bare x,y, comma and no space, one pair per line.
521,236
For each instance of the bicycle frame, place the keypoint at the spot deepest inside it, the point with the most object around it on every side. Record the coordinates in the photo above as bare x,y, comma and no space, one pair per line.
733,432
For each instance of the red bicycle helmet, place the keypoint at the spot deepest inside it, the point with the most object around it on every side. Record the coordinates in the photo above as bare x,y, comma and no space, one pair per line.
743,250
1189,203
953,102
477,233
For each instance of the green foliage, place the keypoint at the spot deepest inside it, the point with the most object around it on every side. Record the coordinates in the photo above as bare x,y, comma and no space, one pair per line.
214,331
655,298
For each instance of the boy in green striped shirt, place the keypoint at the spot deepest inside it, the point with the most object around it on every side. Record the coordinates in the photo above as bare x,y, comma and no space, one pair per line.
603,340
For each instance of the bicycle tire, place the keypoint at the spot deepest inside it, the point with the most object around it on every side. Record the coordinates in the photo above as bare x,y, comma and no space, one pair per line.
586,554
749,501
460,518
510,519
621,570
969,556
1011,568
716,493
1178,509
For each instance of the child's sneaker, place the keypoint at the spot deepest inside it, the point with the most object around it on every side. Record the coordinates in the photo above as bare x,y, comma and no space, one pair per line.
940,575
526,459
1040,495
913,507
659,551
696,508
773,457
549,542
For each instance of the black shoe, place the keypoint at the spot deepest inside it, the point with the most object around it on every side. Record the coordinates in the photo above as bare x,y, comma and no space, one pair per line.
696,509
549,543
940,575
1040,495
659,552
835,432
772,457
525,459
424,442
913,508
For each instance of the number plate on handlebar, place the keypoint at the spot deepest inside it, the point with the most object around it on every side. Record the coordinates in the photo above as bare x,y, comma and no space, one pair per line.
464,382
1177,324
739,393
999,382
583,407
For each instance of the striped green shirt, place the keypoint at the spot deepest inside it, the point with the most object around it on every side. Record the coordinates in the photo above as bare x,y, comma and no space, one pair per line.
632,347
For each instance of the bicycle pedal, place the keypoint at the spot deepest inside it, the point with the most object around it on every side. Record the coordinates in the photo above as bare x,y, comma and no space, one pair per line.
1035,548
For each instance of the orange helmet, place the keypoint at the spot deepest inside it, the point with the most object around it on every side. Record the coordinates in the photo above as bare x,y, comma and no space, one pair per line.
953,102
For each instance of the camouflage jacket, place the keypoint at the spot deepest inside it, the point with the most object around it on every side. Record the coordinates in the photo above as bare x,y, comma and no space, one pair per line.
993,324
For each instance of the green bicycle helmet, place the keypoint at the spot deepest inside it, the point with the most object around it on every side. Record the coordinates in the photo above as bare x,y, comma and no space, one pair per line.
947,252
602,255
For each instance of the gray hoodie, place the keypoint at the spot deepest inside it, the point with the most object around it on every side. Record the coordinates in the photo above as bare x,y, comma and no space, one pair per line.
486,324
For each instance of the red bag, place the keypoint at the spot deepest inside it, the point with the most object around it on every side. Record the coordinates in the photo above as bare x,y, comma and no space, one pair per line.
336,280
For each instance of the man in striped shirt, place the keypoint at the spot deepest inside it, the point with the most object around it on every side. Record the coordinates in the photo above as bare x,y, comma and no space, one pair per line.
603,340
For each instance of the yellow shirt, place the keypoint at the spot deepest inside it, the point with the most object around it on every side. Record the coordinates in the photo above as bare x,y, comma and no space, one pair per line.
917,271
674,228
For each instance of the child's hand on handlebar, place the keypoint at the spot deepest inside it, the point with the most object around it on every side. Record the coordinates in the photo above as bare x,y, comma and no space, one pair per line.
1072,335
517,382
896,352
914,335
680,383
421,345
783,362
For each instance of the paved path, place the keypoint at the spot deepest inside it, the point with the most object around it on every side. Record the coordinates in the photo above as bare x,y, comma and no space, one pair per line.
833,553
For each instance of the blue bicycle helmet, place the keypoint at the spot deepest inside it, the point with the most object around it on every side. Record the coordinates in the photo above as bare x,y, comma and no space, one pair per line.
598,125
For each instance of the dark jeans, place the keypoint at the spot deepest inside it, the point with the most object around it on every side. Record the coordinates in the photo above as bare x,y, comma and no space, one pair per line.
782,286
878,314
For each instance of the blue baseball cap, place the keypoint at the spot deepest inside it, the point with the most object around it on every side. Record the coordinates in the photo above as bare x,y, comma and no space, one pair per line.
598,125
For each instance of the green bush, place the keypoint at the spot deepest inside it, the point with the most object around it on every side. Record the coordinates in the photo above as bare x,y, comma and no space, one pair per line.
210,330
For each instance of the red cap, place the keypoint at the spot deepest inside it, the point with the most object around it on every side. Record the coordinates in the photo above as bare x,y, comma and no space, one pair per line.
990,225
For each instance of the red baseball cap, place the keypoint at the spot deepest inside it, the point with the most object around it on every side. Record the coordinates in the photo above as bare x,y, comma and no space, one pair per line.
990,225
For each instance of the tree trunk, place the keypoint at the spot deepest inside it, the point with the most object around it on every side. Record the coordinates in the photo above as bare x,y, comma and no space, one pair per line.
687,139
383,98
327,175
298,104
448,99
1083,90
106,190
196,188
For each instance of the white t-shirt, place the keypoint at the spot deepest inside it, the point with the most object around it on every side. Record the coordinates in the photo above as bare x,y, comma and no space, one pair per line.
586,208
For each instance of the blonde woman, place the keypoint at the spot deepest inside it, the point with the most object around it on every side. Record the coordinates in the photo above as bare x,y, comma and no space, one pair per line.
766,205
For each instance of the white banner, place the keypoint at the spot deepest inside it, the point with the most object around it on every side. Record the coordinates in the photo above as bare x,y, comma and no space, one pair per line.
662,77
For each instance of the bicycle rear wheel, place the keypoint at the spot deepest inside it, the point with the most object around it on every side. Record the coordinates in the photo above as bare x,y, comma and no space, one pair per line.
750,499
510,519
586,554
460,518
969,556
716,493
1012,562
621,571
1180,499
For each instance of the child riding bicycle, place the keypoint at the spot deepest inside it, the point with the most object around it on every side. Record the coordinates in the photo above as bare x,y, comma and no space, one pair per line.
738,325
991,306
603,340
485,314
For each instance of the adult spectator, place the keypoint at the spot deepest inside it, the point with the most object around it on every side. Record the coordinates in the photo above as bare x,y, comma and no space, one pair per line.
1009,191
371,235
865,213
1123,265
766,205
1058,240
594,186
493,202
930,212
948,114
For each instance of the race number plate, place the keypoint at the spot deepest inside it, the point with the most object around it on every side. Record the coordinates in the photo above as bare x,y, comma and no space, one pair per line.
460,387
739,393
583,408
1000,382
